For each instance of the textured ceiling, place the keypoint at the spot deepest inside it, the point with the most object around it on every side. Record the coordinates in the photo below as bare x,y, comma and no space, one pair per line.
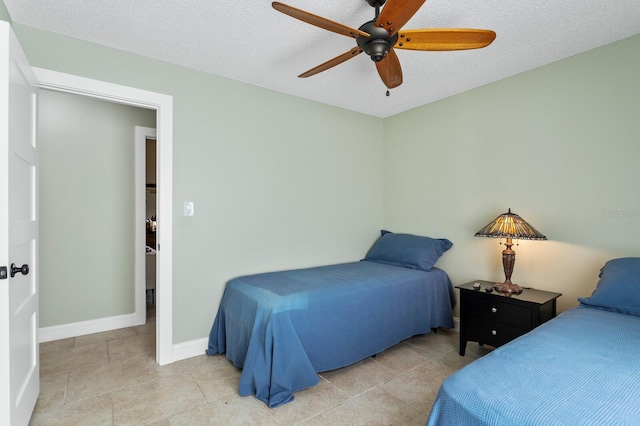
251,42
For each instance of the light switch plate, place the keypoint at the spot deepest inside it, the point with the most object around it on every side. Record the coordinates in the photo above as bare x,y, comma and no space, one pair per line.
188,208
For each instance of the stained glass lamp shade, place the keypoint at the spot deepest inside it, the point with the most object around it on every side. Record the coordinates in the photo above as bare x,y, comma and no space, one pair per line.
511,227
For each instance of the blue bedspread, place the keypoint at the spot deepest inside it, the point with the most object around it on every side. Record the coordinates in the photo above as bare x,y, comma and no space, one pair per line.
581,368
283,328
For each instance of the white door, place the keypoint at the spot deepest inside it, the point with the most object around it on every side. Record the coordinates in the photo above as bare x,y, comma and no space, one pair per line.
19,354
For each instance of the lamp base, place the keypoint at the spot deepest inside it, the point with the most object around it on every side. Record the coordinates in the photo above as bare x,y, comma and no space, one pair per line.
508,287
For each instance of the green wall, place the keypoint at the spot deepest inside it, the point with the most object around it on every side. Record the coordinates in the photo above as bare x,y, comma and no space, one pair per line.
87,221
558,145
4,14
277,181
282,182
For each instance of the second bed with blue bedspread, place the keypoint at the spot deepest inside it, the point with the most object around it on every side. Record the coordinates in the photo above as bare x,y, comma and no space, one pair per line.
580,368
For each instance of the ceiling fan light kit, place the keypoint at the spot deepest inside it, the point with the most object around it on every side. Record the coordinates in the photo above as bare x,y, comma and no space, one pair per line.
378,37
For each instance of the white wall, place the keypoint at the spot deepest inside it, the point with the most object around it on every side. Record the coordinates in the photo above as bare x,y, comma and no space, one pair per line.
86,207
558,145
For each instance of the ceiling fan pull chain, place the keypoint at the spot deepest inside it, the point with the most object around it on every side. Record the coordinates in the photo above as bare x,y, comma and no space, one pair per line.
388,92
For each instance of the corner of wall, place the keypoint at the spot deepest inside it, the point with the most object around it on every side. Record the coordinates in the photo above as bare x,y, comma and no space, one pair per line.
4,13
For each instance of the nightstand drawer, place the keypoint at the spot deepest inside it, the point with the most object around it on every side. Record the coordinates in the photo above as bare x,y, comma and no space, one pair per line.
493,333
494,310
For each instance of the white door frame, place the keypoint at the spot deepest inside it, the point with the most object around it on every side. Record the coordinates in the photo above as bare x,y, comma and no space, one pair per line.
163,105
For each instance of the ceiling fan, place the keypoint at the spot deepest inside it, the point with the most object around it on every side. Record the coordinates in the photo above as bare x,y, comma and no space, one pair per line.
379,37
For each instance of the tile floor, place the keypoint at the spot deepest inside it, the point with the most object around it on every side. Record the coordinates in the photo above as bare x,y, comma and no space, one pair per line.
111,378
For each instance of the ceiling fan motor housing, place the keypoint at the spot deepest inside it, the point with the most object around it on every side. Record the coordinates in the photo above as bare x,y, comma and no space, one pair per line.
379,42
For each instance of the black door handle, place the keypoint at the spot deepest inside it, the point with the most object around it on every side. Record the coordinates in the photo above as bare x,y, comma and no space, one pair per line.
24,269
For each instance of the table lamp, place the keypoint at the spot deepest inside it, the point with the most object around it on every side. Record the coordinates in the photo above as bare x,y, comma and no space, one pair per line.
509,226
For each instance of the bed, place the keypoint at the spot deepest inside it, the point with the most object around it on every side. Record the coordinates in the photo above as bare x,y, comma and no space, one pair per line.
282,328
582,367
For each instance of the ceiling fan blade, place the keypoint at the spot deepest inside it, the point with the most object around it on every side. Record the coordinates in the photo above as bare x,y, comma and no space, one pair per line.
396,13
318,21
444,39
389,70
332,62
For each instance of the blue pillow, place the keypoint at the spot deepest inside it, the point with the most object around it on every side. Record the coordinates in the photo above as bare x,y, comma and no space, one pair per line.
408,251
619,287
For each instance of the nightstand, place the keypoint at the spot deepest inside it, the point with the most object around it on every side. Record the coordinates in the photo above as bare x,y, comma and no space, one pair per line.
495,318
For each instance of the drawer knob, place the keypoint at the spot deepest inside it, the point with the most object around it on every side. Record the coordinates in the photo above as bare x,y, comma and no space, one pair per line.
494,309
494,333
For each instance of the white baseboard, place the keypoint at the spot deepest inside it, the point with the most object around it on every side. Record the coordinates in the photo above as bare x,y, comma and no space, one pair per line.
64,331
181,351
197,347
190,349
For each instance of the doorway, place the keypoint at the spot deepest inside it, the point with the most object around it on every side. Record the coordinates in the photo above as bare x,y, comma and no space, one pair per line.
163,105
146,188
